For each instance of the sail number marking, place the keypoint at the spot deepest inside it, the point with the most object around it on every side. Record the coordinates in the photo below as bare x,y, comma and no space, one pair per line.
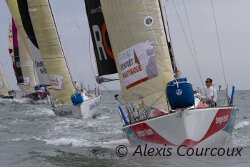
101,42
146,132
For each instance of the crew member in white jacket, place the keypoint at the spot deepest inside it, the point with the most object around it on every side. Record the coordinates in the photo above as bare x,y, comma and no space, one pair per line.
211,93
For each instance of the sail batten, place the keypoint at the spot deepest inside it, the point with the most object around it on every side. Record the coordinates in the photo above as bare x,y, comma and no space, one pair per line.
51,50
138,39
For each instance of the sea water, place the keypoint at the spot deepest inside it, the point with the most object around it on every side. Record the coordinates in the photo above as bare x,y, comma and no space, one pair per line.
31,135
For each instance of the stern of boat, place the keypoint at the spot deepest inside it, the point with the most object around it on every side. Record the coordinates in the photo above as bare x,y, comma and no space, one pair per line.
82,111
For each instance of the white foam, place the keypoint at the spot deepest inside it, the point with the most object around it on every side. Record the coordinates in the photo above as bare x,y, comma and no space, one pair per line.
46,111
26,139
120,141
4,101
242,124
241,141
112,131
69,142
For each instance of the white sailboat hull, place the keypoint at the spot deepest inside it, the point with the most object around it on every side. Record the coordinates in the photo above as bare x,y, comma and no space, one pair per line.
191,127
82,111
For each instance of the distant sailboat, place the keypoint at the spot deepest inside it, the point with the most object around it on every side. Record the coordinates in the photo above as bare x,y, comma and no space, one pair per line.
146,66
26,65
65,101
5,92
24,49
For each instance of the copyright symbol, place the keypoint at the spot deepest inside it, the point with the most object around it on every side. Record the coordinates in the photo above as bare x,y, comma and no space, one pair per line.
121,151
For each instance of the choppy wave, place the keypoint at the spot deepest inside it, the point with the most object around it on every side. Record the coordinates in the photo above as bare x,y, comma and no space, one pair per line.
80,142
15,100
25,127
242,124
69,142
41,111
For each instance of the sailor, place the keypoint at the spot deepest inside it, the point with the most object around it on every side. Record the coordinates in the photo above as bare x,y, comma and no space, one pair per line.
77,86
211,93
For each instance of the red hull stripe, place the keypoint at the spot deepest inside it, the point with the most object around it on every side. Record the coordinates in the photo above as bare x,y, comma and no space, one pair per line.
220,122
147,134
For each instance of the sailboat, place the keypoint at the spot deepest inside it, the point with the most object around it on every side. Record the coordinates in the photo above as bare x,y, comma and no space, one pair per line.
152,113
5,92
31,67
65,99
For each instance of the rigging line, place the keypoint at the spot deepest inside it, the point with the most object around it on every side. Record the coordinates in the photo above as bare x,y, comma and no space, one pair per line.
81,36
67,50
192,40
106,88
196,63
158,99
219,45
170,41
70,14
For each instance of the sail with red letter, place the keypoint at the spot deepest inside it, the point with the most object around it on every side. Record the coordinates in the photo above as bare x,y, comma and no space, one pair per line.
102,47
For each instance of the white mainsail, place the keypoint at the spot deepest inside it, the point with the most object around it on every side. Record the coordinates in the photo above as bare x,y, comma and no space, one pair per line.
138,40
4,87
51,50
25,58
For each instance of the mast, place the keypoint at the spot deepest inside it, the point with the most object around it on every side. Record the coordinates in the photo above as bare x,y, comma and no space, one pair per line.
168,38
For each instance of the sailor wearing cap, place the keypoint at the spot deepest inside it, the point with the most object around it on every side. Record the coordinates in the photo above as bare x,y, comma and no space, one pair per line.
211,93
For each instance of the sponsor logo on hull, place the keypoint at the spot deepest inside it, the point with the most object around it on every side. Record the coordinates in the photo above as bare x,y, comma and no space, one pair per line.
148,134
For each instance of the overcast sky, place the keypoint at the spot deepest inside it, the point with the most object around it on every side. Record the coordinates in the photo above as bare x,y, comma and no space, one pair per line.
233,25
